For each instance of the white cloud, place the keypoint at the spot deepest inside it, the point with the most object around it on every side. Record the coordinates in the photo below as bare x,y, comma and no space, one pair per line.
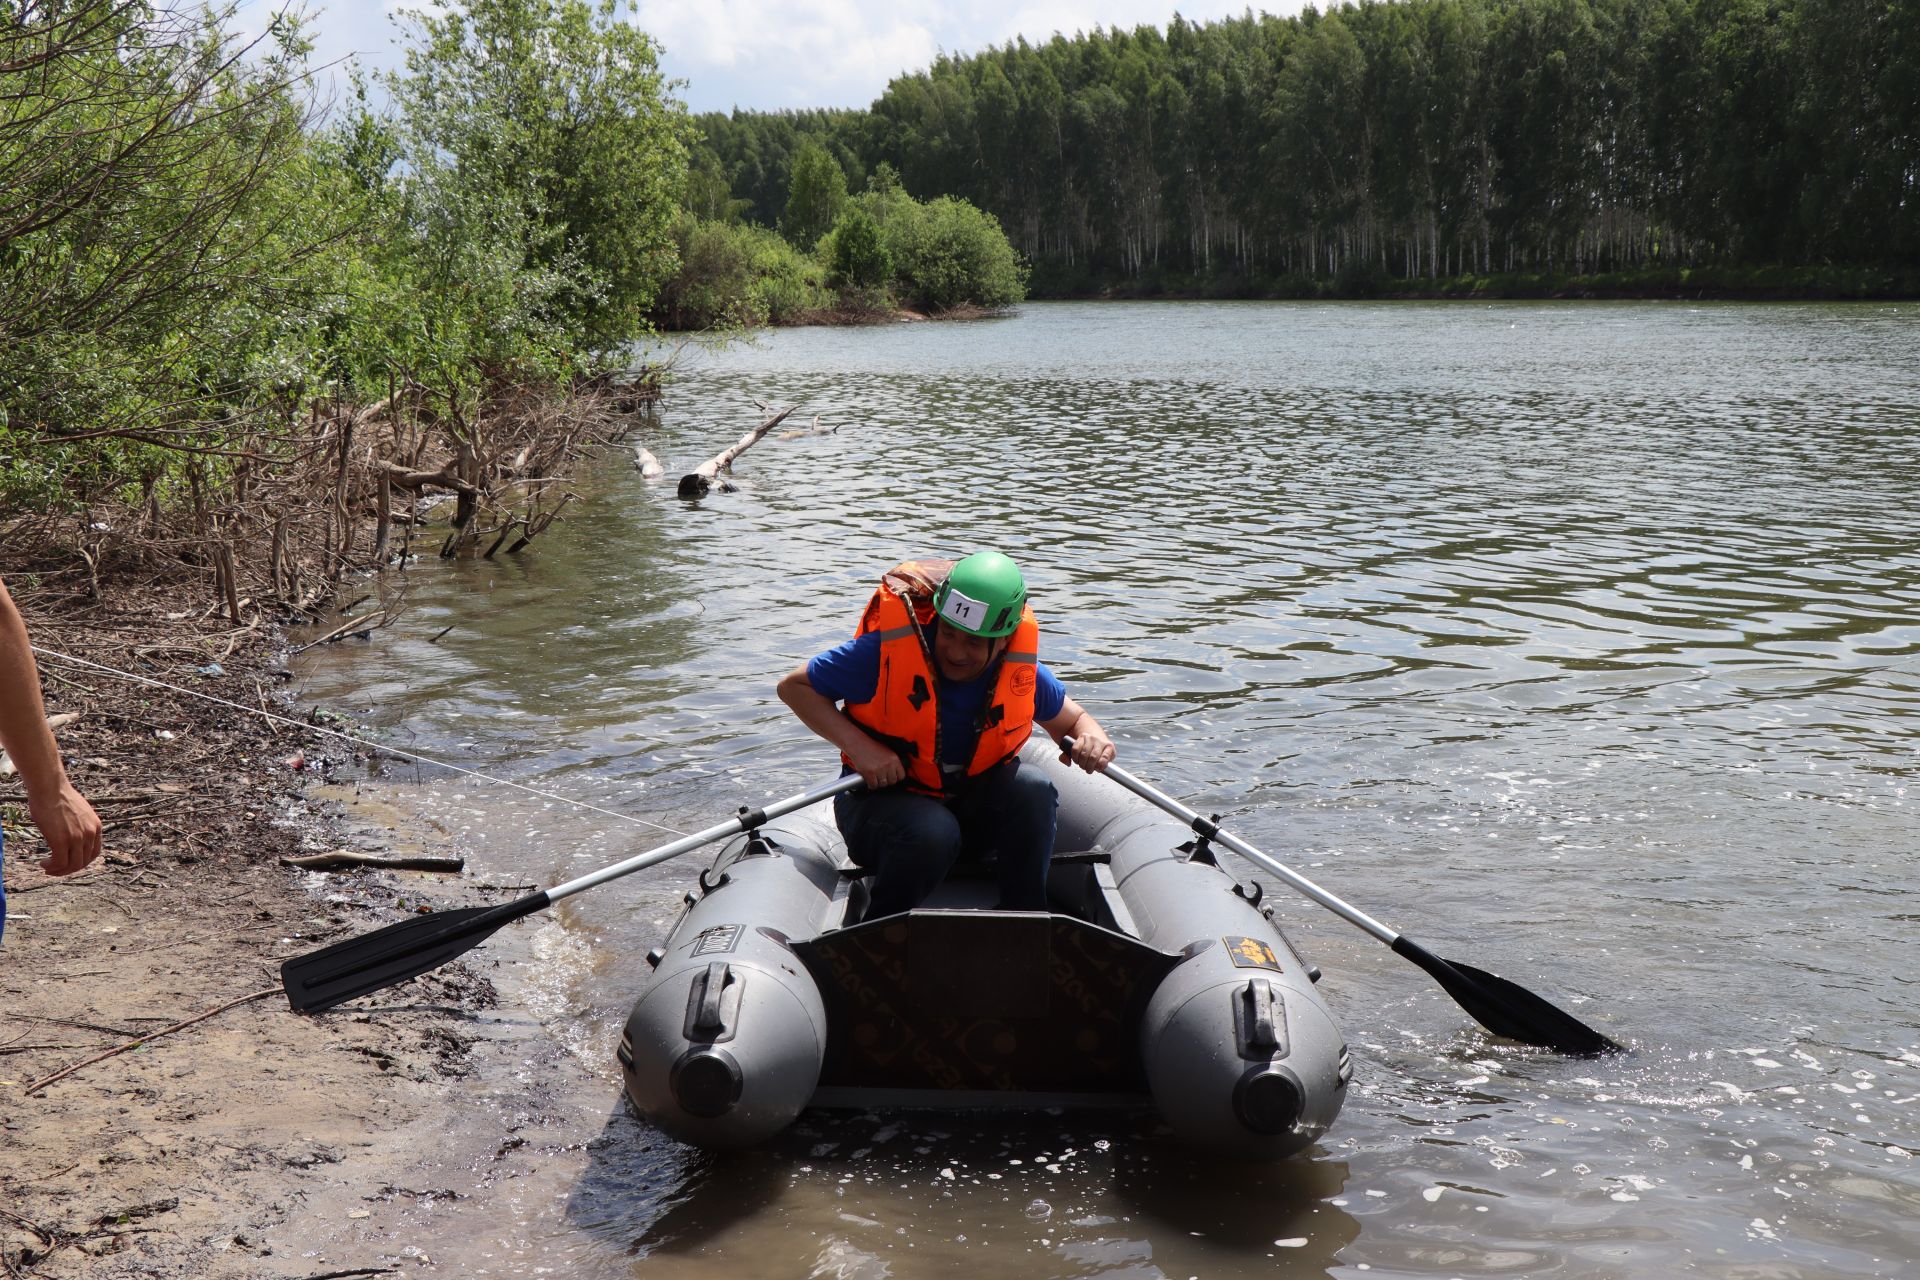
841,53
770,53
774,54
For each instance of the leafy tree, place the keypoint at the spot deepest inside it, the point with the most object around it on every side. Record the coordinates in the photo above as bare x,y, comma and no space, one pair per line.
815,196
541,141
709,192
165,236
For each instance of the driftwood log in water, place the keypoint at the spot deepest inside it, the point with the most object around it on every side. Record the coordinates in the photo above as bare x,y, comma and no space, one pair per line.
650,468
363,626
703,477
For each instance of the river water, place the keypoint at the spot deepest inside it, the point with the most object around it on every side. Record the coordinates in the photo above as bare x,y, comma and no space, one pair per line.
1581,642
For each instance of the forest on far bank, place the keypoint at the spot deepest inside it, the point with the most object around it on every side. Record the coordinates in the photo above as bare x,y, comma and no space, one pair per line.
1771,145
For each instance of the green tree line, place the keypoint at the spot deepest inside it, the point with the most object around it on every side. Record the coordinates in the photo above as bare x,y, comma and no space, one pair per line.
1406,141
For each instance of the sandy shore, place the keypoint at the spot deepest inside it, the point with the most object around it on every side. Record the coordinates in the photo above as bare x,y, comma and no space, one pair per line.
255,1142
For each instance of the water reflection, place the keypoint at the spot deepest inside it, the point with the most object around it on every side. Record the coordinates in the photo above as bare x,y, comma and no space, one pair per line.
909,1193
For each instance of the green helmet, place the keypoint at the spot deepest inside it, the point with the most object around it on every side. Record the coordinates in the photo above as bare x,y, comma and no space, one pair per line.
983,595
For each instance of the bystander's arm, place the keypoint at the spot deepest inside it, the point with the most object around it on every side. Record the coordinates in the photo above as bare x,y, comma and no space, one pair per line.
63,815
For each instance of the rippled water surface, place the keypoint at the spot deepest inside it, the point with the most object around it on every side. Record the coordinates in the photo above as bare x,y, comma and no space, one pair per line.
1579,642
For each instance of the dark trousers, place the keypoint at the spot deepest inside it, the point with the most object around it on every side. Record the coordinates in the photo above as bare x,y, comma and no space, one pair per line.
911,841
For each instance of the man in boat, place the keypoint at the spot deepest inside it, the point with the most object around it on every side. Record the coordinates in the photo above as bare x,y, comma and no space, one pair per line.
63,815
941,686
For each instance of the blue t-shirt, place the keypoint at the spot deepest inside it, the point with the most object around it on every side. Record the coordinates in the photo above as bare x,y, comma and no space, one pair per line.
851,672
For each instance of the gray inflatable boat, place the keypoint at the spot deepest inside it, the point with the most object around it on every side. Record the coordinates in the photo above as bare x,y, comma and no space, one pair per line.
1156,981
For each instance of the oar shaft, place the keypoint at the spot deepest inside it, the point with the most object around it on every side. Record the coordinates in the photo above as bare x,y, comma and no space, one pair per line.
1206,827
733,826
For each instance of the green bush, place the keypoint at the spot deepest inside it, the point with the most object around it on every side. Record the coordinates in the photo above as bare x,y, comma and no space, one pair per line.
857,256
948,254
540,139
883,244
788,284
162,264
735,276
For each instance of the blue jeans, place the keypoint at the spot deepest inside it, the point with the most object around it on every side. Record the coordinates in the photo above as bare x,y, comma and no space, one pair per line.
911,841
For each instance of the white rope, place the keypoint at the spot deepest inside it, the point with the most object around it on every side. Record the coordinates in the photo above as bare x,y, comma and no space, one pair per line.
348,737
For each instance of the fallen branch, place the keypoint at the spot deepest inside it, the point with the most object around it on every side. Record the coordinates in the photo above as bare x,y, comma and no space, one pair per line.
538,525
69,1022
698,481
63,883
344,629
348,858
447,477
64,1072
34,1048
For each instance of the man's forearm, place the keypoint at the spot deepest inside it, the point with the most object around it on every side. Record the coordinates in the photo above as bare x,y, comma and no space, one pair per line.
1092,749
878,764
815,711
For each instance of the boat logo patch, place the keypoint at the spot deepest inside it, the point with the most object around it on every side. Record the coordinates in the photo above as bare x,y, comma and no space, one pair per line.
1249,953
719,939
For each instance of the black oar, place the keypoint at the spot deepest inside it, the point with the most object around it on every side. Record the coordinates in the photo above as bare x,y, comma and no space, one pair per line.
1502,1007
324,978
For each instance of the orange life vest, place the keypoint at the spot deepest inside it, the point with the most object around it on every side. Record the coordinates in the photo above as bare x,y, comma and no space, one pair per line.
904,710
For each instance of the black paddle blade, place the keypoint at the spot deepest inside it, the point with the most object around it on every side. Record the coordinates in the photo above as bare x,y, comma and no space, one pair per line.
386,957
1508,1009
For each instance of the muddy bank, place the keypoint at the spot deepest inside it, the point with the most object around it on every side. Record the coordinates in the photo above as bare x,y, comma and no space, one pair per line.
256,1142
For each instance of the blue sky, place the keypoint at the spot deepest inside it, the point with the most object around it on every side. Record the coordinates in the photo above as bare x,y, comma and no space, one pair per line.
772,54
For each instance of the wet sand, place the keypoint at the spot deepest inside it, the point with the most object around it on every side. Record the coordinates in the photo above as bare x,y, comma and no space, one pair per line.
256,1142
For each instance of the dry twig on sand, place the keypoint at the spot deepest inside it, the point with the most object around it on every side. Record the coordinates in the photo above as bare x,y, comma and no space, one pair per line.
64,1072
